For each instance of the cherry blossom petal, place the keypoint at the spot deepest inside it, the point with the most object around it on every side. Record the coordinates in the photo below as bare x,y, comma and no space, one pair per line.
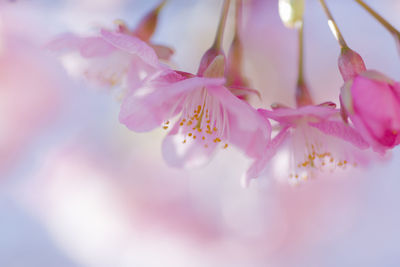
95,47
163,52
88,46
132,45
261,163
188,155
138,71
247,129
289,115
342,131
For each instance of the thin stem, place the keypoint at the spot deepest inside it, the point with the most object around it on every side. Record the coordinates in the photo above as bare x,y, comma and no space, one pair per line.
238,17
378,17
333,26
303,96
221,27
300,79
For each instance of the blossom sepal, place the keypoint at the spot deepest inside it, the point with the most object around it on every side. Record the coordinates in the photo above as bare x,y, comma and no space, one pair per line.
350,64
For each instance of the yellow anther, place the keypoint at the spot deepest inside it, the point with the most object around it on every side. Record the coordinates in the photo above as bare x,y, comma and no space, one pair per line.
190,134
322,155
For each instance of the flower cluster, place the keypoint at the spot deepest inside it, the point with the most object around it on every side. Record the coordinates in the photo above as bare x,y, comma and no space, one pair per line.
210,109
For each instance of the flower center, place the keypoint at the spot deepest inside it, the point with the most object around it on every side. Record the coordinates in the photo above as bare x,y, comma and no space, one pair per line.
203,120
313,152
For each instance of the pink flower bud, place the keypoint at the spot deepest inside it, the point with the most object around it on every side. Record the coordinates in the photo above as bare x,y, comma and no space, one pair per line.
372,101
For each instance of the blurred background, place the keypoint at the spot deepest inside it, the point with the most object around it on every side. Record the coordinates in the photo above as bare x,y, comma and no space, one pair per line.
79,189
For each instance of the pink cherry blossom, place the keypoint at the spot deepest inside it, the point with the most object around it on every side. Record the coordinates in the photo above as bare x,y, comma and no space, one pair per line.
372,101
310,139
208,114
114,54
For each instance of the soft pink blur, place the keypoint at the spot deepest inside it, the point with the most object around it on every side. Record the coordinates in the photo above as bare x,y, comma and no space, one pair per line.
30,95
107,211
